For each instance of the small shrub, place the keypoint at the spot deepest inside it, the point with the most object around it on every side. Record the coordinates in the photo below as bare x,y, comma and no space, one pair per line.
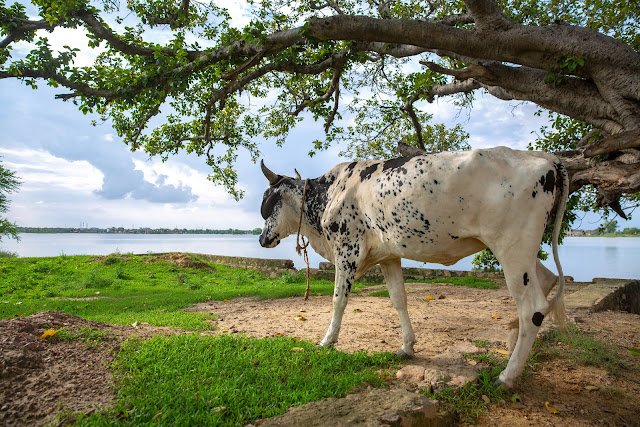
95,280
291,277
112,259
120,274
8,254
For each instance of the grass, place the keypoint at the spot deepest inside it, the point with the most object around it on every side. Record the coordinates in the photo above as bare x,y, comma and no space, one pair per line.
580,347
229,380
186,379
468,281
123,289
468,400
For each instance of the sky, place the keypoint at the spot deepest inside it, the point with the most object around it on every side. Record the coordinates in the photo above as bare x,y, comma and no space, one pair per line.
78,175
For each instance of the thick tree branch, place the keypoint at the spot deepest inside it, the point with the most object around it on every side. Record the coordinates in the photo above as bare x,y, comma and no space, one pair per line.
80,88
25,27
573,97
618,142
488,15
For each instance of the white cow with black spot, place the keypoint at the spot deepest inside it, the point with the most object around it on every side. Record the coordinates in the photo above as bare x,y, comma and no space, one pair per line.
432,208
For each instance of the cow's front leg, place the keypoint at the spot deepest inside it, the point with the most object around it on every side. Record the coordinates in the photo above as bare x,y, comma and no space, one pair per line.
345,276
392,271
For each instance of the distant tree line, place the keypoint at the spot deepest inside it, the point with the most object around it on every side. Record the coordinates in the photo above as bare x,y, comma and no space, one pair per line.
611,228
123,230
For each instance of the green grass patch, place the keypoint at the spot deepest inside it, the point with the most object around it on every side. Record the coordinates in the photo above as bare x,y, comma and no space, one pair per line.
580,347
229,380
89,336
123,289
380,293
468,281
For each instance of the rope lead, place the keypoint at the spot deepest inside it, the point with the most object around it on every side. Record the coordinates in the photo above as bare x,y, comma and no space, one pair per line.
301,244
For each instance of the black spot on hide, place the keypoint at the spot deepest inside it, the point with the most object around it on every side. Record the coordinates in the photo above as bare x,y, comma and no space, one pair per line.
525,279
366,173
548,182
396,163
350,169
334,227
534,194
537,318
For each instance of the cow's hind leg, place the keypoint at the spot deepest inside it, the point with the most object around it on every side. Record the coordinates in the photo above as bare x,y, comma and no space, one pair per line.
532,306
547,280
345,276
392,271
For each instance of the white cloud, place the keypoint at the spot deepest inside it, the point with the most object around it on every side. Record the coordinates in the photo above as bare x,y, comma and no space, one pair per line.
41,170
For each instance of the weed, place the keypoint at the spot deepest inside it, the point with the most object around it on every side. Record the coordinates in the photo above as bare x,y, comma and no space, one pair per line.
194,286
181,278
95,280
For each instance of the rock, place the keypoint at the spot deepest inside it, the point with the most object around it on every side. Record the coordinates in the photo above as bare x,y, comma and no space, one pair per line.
411,374
372,407
433,376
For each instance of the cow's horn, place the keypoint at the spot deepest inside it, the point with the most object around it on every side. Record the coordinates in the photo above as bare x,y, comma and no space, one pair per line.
272,177
297,174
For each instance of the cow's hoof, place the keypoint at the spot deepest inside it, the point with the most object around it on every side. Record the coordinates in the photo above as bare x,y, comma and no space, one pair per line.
498,383
403,355
321,346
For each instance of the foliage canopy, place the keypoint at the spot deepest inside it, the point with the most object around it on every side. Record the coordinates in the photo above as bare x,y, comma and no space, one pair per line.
181,75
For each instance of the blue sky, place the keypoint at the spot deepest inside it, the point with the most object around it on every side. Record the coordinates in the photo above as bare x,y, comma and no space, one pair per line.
75,174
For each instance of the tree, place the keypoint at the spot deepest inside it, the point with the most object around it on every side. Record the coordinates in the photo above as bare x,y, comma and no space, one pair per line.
608,228
9,183
218,87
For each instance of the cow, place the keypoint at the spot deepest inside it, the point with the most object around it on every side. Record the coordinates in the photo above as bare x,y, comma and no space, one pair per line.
436,207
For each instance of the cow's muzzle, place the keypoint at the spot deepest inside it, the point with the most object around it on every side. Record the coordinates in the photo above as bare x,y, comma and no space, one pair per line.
267,242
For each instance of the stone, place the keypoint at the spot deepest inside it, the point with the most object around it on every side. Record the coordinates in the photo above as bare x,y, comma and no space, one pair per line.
411,374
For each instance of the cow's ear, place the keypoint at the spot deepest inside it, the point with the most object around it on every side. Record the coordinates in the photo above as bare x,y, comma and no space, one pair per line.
267,205
272,177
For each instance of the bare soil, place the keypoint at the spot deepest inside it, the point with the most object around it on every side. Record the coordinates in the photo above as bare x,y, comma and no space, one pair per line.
42,379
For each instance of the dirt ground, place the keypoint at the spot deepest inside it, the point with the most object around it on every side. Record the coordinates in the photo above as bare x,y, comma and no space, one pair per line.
41,379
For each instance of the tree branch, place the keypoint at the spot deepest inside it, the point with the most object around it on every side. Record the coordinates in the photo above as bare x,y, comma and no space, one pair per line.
25,27
618,142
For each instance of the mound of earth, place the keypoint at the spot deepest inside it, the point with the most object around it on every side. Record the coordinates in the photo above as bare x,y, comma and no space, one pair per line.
42,377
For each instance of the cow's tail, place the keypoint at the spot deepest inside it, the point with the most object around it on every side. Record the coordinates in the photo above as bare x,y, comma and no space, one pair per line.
556,304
